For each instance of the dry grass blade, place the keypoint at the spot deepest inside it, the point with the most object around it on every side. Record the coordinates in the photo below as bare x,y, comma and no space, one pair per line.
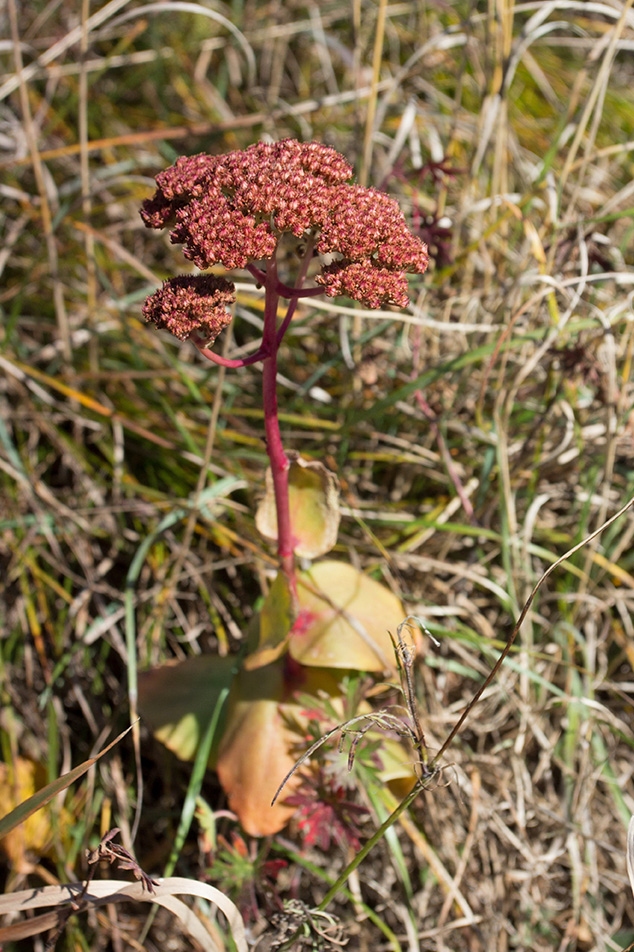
46,794
630,853
103,892
182,5
630,864
523,614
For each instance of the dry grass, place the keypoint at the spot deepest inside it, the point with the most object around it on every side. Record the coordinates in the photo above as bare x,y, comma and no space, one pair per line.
479,435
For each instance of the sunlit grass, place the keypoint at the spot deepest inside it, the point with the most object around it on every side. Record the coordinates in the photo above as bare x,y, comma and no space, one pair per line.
520,343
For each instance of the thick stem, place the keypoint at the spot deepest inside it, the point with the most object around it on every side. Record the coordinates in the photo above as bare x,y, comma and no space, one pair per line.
277,457
267,354
285,290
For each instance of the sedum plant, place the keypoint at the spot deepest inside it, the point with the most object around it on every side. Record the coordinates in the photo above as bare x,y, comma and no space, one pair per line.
244,210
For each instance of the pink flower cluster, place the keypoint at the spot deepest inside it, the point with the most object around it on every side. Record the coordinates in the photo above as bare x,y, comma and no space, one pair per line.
232,210
191,303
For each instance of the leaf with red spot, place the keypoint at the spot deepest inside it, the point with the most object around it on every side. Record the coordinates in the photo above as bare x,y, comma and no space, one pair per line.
274,624
344,620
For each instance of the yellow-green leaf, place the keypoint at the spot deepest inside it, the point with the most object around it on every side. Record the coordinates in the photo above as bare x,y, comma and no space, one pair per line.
314,508
177,700
344,619
275,621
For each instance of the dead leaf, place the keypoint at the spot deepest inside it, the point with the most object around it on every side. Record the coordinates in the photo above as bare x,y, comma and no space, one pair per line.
260,743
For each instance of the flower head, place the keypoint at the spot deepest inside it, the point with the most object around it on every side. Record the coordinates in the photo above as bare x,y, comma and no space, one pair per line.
364,281
191,303
233,209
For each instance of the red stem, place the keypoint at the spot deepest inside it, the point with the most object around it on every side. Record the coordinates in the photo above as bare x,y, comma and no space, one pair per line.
285,290
259,355
267,353
257,273
288,292
295,293
274,448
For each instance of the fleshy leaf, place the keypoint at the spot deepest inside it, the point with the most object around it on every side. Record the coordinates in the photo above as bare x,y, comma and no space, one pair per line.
259,745
344,620
177,700
397,763
275,620
314,508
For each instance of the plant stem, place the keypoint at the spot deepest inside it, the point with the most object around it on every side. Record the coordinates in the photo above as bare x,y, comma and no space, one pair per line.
226,361
277,457
295,293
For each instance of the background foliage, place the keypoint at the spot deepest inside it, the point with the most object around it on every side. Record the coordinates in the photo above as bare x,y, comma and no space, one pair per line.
477,437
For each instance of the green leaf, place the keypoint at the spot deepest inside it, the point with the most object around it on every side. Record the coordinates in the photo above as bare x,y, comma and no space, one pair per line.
275,621
178,701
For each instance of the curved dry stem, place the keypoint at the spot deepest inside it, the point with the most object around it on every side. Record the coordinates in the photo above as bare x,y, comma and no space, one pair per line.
380,719
518,624
103,892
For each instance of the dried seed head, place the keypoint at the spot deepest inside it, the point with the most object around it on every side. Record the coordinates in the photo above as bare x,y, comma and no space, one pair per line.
191,303
232,209
364,281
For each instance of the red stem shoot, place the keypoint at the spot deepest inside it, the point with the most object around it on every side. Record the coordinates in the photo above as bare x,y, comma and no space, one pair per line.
274,448
259,355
